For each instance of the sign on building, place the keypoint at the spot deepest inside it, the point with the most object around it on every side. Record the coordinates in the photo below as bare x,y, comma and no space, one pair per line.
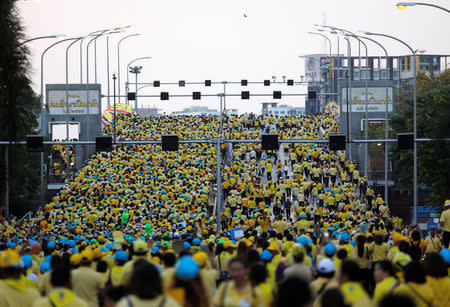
77,102
376,99
312,67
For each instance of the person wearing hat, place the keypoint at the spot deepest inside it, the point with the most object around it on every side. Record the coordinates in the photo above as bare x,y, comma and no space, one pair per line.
444,221
14,291
120,258
325,280
61,295
87,283
209,276
139,252
298,268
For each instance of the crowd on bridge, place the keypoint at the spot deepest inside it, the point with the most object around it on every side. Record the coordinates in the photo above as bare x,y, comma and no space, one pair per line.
300,226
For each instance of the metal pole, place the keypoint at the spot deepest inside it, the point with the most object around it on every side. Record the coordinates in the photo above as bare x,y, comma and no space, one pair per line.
95,59
349,98
67,103
81,62
218,171
118,60
107,68
127,84
415,118
136,100
114,91
224,97
42,118
7,181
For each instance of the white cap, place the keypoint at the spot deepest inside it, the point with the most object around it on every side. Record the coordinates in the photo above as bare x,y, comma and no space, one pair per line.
326,266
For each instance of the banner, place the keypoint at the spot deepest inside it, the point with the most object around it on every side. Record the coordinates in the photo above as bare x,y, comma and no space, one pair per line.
77,102
376,99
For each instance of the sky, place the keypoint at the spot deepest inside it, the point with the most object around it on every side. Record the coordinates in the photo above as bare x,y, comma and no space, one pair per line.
197,40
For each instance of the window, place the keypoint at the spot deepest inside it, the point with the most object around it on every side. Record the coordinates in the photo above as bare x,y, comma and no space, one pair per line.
356,75
376,75
396,74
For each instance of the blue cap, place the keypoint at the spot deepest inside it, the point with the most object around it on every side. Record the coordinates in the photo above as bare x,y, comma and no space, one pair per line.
329,249
196,241
445,253
71,243
266,255
155,249
303,216
45,267
303,240
27,261
345,237
121,256
186,245
51,244
187,268
353,243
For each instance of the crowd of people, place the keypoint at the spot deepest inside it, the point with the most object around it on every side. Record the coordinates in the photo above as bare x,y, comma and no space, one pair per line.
298,226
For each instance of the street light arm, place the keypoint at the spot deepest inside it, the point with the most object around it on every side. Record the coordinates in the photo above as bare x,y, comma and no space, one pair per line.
392,37
142,58
402,5
40,37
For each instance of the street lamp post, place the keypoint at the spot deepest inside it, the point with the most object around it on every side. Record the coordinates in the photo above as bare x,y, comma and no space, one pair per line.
415,114
136,70
41,37
403,5
42,118
329,41
114,91
118,59
128,71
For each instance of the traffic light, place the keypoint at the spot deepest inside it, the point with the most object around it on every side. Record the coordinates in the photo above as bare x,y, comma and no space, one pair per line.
35,143
270,142
103,143
169,142
337,142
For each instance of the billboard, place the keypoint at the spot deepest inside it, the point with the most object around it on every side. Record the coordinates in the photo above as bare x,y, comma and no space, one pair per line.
56,102
312,67
376,99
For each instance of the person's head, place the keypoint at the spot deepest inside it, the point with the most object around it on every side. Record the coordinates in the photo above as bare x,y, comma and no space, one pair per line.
433,231
242,250
360,241
326,268
383,269
293,292
396,300
169,260
349,272
113,295
332,298
415,272
60,276
435,266
258,273
238,270
102,266
145,282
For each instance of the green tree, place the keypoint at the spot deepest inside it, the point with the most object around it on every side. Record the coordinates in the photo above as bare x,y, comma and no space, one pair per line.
433,121
19,107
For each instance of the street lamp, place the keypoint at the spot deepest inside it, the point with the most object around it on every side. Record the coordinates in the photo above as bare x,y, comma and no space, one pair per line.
128,68
118,61
415,111
43,126
136,70
42,37
403,5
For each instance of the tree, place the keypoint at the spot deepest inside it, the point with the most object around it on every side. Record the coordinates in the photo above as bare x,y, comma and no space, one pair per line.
433,121
19,107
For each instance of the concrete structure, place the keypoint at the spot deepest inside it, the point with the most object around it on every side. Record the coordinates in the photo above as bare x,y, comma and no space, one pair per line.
148,111
196,110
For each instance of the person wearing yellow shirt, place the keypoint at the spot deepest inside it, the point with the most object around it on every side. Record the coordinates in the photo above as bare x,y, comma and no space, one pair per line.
264,222
415,286
437,278
352,290
258,278
379,249
61,296
432,242
385,279
15,291
444,221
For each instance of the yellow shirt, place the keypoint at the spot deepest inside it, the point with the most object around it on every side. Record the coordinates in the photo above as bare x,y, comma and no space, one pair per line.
231,297
379,252
441,290
361,261
86,283
267,293
44,284
16,293
137,302
382,289
424,290
60,297
432,244
355,295
209,278
445,219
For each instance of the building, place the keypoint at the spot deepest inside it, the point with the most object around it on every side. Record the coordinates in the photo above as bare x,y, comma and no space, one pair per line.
196,110
284,110
148,111
343,77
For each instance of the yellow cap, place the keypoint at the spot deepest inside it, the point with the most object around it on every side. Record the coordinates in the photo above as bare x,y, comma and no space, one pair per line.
139,246
201,258
87,256
298,249
75,259
228,244
97,253
274,247
10,259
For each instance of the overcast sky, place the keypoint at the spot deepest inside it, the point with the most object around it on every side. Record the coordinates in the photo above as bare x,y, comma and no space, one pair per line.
194,40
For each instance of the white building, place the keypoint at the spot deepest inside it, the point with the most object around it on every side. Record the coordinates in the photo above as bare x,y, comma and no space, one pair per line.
285,110
196,110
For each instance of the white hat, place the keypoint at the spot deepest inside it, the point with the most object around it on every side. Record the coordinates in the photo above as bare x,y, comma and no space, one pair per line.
326,266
